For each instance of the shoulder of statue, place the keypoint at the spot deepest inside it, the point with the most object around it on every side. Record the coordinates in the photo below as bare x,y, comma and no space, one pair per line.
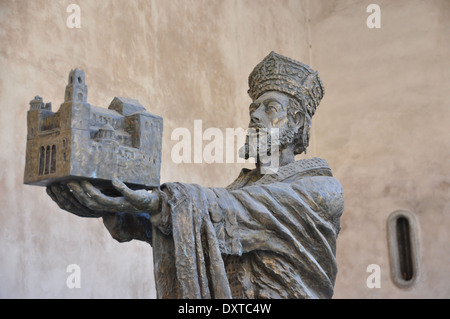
240,180
293,171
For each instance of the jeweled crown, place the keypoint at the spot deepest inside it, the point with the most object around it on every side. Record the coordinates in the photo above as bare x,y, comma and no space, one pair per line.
279,73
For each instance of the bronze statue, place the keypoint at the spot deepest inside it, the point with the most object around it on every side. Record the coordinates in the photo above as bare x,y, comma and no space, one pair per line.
267,235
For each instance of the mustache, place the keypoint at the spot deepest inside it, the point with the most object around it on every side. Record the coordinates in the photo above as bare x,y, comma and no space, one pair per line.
259,139
261,129
256,126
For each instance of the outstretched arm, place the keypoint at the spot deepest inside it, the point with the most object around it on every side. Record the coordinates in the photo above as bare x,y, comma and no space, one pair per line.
126,217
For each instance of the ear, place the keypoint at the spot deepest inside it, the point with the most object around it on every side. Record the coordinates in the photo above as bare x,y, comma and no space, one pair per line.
296,117
298,120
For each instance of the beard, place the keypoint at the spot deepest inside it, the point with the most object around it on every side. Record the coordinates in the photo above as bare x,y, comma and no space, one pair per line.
263,141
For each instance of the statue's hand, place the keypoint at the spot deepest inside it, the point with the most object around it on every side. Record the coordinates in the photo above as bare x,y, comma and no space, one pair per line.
65,198
142,200
85,200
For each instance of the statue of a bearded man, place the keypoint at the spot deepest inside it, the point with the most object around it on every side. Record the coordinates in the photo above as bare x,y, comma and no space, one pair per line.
270,234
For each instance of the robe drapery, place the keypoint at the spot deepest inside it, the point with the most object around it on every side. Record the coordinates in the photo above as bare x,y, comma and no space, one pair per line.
270,238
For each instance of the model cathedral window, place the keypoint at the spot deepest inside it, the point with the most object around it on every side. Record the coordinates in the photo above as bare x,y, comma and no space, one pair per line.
83,141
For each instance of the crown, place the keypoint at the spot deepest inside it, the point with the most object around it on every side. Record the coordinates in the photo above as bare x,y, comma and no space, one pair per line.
279,73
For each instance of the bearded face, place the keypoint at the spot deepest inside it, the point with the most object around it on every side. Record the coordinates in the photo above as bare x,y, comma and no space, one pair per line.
267,142
270,129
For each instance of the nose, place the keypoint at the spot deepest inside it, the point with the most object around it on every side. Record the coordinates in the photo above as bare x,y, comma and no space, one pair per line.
254,118
256,115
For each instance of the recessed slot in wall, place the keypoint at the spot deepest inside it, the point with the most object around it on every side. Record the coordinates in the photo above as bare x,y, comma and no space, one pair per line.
402,237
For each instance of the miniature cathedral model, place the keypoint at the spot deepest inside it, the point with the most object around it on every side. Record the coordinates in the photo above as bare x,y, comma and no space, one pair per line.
83,141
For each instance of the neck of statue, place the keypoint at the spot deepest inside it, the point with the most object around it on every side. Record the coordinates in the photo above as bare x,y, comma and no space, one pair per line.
272,163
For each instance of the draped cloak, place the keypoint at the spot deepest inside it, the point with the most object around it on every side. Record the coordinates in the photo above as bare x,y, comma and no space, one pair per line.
270,238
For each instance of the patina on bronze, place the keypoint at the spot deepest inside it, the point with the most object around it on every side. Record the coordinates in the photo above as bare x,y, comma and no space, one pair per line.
263,236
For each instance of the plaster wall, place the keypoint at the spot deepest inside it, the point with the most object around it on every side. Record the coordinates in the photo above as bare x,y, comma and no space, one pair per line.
383,126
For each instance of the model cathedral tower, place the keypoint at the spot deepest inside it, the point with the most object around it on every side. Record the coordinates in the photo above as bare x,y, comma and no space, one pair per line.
76,89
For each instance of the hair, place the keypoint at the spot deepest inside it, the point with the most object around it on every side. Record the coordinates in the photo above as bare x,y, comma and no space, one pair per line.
302,135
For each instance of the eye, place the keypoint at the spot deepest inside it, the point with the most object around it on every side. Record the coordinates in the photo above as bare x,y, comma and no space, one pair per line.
253,107
272,107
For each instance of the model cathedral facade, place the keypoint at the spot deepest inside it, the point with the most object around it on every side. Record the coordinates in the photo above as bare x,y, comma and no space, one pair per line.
83,141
